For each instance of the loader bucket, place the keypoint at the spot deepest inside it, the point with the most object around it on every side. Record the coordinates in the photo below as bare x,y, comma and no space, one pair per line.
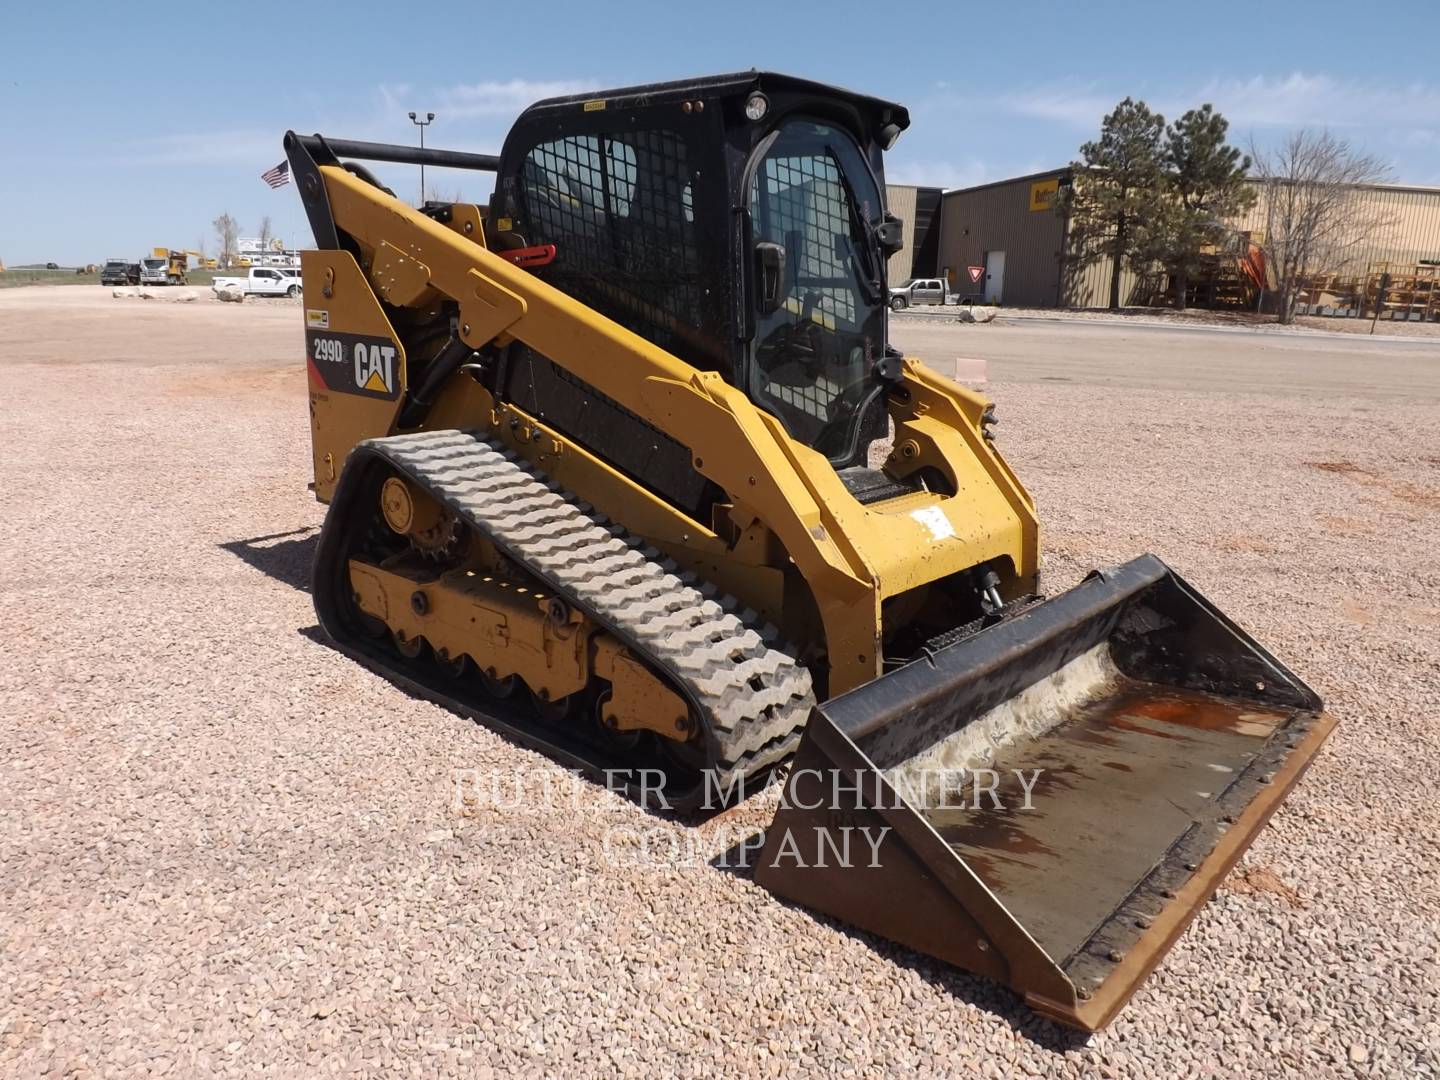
1163,737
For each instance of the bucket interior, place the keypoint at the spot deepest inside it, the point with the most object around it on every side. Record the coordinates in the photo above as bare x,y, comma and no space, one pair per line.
1114,787
1123,729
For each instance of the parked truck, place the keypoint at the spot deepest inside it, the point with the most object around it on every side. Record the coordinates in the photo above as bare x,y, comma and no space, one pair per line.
177,264
120,272
917,291
261,281
154,270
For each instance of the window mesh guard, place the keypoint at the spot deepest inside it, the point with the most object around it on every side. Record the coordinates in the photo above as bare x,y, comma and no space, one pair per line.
804,199
620,211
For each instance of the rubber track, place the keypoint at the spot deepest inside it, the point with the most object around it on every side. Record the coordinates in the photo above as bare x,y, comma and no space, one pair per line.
753,698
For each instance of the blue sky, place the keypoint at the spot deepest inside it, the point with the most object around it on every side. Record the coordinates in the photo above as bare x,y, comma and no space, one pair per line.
125,126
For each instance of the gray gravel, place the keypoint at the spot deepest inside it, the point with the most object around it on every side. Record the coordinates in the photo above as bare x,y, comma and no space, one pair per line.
226,848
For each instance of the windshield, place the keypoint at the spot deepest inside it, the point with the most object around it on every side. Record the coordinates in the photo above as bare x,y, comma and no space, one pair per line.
154,264
813,194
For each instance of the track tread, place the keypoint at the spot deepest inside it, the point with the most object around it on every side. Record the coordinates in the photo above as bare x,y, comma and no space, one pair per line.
663,613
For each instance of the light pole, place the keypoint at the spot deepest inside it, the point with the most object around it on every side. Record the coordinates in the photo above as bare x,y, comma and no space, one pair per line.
422,125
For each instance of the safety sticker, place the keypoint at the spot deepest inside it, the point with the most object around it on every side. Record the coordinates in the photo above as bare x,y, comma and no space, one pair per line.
934,519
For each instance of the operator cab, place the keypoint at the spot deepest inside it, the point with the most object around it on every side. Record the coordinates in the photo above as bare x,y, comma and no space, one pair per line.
738,222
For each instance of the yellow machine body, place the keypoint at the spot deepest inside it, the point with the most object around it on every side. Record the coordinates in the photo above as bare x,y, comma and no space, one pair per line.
883,630
789,507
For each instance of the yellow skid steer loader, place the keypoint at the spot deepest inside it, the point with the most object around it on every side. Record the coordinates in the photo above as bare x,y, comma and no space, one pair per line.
599,463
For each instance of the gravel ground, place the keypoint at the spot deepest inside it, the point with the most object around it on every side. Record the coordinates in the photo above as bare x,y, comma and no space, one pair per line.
1194,317
225,848
1201,317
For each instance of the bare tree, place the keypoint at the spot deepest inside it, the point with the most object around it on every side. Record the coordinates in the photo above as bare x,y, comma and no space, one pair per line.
264,231
1314,212
226,230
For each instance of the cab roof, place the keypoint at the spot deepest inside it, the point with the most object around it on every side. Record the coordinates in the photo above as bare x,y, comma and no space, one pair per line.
736,84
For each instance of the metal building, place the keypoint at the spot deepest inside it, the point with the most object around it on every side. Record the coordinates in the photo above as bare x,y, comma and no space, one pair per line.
1403,226
919,209
1004,241
1007,242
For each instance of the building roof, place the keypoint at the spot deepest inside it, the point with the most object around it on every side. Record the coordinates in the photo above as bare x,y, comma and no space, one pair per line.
1067,170
1062,172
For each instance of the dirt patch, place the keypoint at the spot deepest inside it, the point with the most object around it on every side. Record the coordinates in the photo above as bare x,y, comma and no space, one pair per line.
1426,498
1348,468
1403,490
1344,526
1258,880
1257,545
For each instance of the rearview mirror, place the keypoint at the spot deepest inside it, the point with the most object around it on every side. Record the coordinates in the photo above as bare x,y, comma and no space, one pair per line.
770,274
890,234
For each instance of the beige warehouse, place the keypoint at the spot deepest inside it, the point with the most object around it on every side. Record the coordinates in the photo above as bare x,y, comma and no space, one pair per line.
1012,230
918,209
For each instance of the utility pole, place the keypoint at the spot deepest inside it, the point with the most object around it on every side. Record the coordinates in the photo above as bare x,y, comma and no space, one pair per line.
422,125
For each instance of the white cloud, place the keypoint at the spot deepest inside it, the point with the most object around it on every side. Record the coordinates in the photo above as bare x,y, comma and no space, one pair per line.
946,174
1294,100
474,112
1301,100
205,148
503,99
1077,106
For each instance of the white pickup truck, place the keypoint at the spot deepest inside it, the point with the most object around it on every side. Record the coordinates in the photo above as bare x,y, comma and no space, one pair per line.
917,291
262,281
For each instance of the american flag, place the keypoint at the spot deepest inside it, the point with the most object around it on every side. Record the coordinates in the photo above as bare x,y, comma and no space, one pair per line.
279,176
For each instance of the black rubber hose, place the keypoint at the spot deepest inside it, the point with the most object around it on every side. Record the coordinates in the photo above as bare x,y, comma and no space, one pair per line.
442,366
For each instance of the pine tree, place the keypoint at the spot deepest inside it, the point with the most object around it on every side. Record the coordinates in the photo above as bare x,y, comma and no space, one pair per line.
1117,188
1205,182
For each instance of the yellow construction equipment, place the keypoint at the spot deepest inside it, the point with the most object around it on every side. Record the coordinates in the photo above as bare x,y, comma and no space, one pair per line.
177,263
598,460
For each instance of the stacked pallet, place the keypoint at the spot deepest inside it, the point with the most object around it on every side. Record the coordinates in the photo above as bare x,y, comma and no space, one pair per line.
1338,295
1404,292
1411,291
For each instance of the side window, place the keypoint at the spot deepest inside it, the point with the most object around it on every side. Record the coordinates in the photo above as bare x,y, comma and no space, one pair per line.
813,196
799,202
619,208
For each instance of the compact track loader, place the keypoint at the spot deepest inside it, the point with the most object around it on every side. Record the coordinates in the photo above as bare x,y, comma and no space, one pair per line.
599,464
